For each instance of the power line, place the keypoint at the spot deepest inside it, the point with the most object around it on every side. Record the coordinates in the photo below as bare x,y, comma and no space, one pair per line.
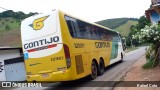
3,8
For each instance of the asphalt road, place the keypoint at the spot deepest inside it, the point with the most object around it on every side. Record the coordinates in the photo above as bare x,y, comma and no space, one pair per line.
104,82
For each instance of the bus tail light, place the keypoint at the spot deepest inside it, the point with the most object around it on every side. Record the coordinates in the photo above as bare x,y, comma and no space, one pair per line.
67,55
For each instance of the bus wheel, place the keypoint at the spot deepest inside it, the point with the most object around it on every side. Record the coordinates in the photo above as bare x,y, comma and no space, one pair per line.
101,67
93,71
121,58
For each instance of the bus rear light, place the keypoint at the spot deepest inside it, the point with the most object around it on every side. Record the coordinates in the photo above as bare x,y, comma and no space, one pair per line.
67,55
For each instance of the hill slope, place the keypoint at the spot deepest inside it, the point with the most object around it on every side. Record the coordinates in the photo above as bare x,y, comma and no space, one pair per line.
10,28
9,32
120,24
114,23
125,28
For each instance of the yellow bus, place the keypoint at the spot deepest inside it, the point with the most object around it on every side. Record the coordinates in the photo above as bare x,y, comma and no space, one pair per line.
60,47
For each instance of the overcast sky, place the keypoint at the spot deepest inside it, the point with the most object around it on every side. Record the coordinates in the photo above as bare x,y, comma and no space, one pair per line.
91,10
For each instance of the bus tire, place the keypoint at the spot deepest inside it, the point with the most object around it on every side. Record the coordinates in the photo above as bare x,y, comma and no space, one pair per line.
121,58
94,70
101,67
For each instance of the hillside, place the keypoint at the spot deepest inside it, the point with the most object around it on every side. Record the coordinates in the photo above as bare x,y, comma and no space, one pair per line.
116,22
10,28
9,32
120,24
124,29
9,24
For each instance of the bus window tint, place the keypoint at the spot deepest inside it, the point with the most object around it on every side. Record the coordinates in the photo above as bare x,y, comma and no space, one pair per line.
83,30
94,32
88,33
71,26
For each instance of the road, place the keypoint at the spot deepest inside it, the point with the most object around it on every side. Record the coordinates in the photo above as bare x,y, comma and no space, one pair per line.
112,73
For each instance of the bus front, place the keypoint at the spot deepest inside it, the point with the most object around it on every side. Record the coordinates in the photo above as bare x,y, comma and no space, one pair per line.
46,57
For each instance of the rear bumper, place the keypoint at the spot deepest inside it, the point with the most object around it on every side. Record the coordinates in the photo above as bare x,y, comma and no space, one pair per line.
52,77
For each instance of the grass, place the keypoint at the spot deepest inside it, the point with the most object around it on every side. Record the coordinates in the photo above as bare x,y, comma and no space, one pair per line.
125,28
11,36
148,65
12,23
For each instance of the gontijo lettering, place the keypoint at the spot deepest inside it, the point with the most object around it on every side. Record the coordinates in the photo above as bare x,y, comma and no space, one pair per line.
41,42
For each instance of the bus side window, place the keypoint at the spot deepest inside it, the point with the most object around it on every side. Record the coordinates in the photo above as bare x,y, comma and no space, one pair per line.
96,33
109,36
71,26
101,35
88,33
76,28
82,29
85,29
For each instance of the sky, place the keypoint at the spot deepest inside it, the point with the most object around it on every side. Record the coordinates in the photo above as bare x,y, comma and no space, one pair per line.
90,10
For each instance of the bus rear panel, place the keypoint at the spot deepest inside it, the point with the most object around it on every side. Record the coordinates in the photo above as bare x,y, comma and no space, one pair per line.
46,57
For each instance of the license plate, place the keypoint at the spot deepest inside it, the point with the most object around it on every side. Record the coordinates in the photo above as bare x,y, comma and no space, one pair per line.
45,75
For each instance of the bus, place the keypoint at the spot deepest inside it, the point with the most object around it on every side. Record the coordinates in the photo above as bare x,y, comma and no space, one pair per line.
59,47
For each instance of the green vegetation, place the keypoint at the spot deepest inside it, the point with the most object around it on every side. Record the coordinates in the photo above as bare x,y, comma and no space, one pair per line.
142,22
7,27
10,20
10,27
150,34
120,24
9,24
16,15
148,65
125,28
144,32
114,23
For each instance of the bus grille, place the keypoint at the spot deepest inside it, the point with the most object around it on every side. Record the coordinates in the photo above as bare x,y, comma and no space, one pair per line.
79,64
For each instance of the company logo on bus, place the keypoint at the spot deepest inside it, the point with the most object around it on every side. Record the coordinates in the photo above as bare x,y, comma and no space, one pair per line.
38,23
41,44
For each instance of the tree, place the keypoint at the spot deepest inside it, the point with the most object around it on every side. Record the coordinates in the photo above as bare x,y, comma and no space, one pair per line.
16,15
142,22
150,34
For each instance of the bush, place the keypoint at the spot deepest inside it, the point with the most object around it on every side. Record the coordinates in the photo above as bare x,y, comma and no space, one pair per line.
3,23
150,34
149,64
7,27
11,21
